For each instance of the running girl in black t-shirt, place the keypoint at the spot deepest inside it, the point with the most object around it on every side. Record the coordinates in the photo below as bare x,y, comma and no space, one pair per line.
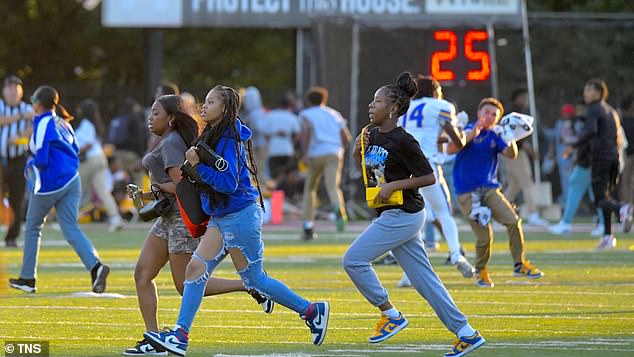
394,161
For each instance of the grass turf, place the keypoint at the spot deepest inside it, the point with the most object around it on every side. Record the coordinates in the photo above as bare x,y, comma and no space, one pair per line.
584,306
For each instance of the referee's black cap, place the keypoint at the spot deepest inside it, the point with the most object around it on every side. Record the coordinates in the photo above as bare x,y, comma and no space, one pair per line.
12,79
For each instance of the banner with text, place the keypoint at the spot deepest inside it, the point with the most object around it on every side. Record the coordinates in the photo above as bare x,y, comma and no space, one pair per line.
298,13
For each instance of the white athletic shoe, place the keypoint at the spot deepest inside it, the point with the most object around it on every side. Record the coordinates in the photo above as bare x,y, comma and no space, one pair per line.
404,282
627,217
535,220
598,230
464,267
560,229
116,223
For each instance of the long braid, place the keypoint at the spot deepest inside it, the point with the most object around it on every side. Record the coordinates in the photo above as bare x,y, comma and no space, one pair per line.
254,171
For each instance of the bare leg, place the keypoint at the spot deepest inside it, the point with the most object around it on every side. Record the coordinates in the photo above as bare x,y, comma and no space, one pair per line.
151,260
215,286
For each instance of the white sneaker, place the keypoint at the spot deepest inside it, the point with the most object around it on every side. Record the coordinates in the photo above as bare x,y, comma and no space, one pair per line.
432,247
404,282
560,229
116,223
535,220
627,219
464,267
598,230
607,242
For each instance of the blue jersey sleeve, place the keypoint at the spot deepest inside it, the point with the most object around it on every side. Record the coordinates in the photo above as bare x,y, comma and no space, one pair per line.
43,135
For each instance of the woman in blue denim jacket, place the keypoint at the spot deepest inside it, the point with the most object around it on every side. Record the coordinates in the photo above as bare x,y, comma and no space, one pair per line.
235,227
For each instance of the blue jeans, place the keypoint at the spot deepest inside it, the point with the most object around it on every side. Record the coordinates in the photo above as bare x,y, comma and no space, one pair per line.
242,230
578,184
66,203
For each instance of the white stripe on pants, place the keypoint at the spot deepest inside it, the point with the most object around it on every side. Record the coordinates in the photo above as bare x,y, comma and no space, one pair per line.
399,232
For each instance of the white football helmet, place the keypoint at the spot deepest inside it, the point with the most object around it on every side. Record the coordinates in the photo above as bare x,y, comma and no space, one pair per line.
514,126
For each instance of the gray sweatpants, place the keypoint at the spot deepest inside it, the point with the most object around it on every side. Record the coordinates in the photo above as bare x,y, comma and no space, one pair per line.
399,232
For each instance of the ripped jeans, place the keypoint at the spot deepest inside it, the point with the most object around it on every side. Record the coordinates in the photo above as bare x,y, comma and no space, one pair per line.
240,230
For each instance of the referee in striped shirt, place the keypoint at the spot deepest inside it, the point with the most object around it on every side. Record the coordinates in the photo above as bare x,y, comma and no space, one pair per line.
16,126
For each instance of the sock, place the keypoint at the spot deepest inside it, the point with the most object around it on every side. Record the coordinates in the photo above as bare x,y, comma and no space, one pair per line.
311,312
391,313
466,331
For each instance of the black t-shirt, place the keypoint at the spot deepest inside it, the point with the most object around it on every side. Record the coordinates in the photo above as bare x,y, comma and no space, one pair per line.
600,131
393,156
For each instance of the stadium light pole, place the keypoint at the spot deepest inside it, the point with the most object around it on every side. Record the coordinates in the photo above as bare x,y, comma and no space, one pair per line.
354,88
495,88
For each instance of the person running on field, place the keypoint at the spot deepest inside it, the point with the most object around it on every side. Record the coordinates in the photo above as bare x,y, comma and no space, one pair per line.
393,157
169,239
53,178
475,178
428,119
603,133
235,226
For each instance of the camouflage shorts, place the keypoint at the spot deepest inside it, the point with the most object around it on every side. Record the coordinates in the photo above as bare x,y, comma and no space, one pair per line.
173,230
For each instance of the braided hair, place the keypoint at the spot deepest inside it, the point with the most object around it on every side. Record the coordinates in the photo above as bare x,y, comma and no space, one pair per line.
211,135
402,91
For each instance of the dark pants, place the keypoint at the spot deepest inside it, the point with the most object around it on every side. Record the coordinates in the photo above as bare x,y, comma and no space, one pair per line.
278,165
604,177
14,182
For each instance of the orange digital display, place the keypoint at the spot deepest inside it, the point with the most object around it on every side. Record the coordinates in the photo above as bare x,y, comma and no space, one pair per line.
444,56
447,55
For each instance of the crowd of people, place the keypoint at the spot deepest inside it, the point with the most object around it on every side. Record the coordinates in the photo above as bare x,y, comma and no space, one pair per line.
414,137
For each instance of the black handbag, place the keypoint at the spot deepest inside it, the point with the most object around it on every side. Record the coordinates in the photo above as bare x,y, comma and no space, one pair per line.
161,206
188,197
190,207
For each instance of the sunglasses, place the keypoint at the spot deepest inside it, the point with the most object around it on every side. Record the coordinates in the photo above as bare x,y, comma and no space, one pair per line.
34,99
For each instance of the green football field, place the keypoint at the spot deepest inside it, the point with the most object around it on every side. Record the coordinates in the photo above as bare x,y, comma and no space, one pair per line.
584,306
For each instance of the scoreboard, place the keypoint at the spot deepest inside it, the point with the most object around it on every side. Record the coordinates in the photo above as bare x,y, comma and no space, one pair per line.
459,55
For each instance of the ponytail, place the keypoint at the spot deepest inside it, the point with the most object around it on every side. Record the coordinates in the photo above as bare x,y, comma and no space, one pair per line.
63,113
48,97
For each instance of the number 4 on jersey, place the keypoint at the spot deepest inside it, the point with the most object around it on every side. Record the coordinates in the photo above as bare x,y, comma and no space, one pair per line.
415,115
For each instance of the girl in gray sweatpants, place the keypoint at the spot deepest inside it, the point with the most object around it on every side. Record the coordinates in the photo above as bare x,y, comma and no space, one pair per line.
393,160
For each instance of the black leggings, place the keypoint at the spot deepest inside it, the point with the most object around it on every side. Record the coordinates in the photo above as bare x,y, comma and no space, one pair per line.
604,177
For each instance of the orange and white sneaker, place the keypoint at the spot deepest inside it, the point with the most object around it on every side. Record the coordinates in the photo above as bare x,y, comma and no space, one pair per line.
527,270
483,279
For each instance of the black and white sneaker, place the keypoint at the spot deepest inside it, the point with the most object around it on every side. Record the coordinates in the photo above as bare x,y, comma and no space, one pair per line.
144,348
317,321
26,285
267,304
99,274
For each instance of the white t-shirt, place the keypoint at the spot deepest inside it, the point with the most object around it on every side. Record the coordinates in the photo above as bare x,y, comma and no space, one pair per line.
327,124
281,125
425,119
87,134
